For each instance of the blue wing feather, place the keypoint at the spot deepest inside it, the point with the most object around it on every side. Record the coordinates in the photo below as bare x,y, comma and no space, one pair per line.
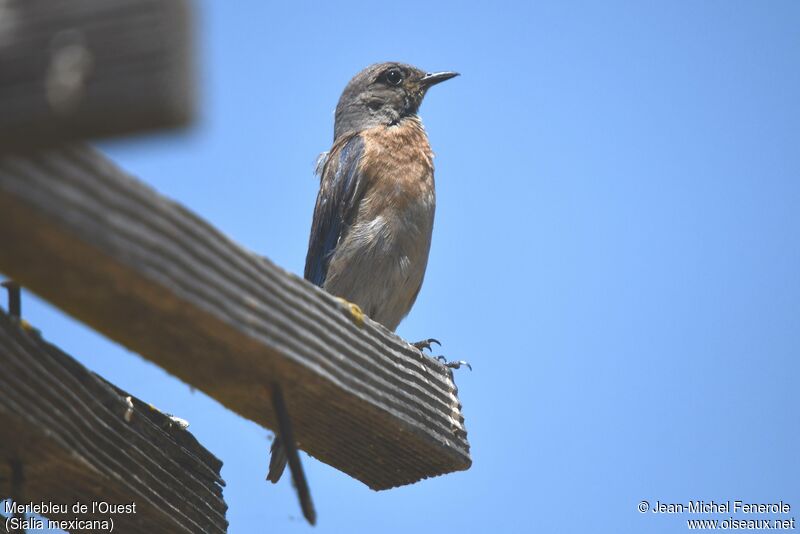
337,202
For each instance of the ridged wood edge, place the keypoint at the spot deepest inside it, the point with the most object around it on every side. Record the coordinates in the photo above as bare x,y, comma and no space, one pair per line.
78,440
153,276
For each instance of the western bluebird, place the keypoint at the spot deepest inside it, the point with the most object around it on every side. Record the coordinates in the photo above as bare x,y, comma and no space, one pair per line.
373,219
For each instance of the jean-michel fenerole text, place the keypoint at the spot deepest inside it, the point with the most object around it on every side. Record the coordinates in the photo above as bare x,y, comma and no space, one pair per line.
721,507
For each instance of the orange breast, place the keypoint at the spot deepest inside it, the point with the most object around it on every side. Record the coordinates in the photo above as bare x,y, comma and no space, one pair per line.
398,165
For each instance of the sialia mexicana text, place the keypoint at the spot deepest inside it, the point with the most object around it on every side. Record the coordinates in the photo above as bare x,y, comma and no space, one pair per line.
373,219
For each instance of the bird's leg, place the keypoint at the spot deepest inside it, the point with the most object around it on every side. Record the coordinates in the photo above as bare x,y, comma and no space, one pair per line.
455,364
355,312
425,344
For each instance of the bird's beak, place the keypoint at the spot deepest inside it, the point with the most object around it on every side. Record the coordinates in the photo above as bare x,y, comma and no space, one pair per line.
433,78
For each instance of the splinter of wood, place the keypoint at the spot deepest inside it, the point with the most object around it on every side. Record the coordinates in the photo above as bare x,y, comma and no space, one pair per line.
296,468
17,492
14,300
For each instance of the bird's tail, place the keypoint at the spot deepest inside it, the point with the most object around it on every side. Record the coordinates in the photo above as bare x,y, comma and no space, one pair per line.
277,460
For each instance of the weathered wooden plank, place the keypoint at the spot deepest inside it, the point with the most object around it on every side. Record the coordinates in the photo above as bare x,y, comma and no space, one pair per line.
78,440
156,278
85,68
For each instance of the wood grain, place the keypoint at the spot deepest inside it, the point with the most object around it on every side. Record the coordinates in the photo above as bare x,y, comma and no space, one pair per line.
72,69
151,275
67,429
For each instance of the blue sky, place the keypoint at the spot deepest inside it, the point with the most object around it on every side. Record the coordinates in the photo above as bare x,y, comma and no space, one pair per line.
615,250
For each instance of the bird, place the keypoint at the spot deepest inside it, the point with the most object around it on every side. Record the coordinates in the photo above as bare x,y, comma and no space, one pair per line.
373,217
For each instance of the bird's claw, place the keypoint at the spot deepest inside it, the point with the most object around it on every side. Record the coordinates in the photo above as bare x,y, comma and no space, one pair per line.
455,364
425,344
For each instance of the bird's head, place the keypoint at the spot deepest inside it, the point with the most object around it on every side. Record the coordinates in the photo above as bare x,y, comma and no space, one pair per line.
383,94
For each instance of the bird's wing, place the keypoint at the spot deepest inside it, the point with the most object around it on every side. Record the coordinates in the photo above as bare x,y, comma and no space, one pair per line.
341,188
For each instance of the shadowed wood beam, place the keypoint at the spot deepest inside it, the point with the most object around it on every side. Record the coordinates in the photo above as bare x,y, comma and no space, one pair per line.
75,438
151,275
73,69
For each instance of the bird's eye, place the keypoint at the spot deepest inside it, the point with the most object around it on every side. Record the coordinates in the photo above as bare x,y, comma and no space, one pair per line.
394,77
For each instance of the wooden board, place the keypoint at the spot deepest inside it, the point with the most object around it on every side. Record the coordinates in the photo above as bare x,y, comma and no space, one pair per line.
151,275
78,440
73,69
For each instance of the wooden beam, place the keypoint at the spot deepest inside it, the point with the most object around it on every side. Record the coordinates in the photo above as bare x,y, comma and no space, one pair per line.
73,69
153,276
67,436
